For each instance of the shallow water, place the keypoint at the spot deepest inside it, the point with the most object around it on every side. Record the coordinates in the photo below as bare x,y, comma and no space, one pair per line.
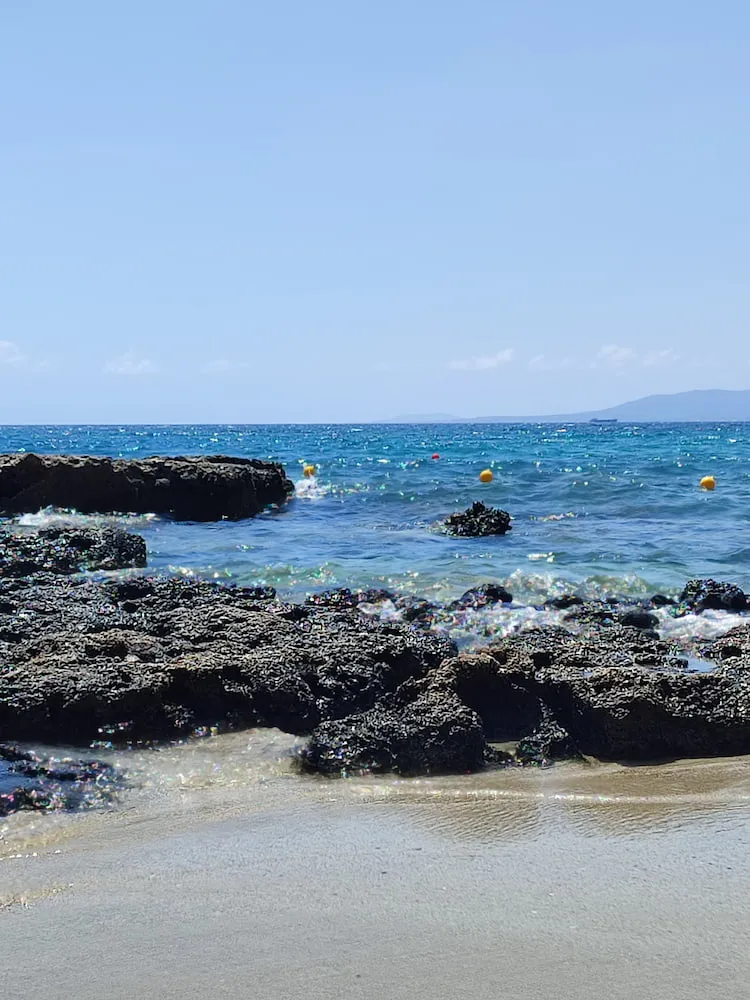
235,774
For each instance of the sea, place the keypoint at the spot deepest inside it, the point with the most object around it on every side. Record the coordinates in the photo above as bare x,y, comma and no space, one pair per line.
599,510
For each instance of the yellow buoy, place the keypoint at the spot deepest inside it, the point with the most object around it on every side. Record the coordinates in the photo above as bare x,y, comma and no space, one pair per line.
308,470
708,483
485,476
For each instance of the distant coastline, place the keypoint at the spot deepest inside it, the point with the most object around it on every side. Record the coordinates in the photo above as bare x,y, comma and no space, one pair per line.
696,406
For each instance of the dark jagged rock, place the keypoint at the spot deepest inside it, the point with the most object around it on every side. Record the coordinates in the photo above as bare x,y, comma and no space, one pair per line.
593,612
547,743
620,694
610,612
478,520
29,782
429,735
159,657
345,598
480,597
205,488
700,595
734,644
62,549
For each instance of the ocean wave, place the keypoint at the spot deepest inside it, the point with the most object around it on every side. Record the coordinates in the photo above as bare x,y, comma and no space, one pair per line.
61,517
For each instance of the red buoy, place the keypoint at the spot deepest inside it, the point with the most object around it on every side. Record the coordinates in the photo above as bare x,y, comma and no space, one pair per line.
436,455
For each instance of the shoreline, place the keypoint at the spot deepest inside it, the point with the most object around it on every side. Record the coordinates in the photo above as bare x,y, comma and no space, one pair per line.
371,889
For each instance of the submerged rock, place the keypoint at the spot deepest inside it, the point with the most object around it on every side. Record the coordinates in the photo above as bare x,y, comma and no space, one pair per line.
205,488
62,549
478,520
28,781
563,602
482,596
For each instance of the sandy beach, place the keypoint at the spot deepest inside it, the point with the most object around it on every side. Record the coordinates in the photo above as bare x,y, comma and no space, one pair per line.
579,881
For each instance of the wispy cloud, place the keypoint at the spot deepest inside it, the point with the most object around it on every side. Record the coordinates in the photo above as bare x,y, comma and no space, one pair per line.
11,353
129,364
483,363
220,366
613,356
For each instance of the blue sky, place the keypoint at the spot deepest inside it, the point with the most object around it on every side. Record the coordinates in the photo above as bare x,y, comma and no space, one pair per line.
345,211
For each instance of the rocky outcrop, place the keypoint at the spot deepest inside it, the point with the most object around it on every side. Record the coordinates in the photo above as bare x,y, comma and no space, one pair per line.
431,734
206,488
619,693
85,660
82,660
478,520
62,549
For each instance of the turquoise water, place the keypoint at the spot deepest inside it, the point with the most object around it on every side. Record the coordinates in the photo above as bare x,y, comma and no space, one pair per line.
596,508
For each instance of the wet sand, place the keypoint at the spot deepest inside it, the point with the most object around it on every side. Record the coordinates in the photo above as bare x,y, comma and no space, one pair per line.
225,875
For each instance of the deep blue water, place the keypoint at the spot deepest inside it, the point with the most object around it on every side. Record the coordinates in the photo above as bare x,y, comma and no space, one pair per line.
598,508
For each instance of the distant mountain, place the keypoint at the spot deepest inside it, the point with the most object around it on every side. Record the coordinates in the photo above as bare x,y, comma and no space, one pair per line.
699,405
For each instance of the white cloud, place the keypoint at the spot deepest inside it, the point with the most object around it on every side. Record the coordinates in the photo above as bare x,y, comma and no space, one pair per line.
659,358
129,364
483,363
612,356
220,366
11,353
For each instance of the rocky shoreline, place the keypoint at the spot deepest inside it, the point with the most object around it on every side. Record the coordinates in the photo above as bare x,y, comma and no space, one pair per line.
89,662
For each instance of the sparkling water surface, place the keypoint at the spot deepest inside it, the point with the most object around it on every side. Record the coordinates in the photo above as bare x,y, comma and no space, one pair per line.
597,508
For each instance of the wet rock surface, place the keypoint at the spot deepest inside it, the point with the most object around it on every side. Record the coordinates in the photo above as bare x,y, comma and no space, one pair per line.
59,549
700,595
30,782
205,488
483,596
477,521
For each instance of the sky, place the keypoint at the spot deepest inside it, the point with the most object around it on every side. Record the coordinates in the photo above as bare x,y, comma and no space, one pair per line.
348,211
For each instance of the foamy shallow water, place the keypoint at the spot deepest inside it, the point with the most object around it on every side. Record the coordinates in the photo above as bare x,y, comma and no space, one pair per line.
236,774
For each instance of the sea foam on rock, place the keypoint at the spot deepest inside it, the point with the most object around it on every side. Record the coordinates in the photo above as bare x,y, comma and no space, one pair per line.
204,488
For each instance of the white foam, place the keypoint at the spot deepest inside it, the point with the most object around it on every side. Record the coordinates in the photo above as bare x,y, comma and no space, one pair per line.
310,489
